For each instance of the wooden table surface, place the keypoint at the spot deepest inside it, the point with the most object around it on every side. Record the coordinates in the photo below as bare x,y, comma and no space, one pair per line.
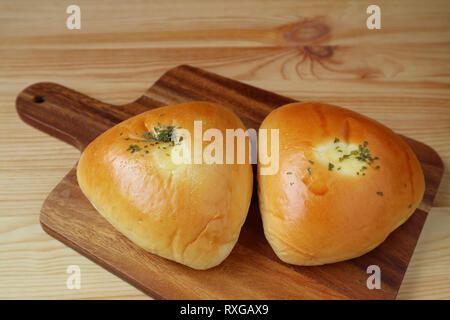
399,75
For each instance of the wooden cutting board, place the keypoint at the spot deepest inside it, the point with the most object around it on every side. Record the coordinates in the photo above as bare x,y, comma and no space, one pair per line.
252,271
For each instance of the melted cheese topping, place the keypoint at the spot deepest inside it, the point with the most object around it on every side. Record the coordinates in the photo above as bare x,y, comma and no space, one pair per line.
341,157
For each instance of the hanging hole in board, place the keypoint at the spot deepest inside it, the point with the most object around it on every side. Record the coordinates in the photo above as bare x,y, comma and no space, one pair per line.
39,99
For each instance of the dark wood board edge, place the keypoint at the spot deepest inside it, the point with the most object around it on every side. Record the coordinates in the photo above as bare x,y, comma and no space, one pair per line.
104,264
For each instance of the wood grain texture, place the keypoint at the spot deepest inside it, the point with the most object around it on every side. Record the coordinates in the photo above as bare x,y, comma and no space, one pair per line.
123,47
68,216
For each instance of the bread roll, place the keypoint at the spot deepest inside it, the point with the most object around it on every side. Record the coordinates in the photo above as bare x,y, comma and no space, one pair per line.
189,213
345,182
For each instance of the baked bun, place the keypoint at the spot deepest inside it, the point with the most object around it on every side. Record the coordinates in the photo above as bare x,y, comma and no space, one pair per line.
189,213
344,183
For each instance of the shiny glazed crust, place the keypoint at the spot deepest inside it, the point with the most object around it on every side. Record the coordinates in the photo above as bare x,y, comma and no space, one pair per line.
189,213
314,214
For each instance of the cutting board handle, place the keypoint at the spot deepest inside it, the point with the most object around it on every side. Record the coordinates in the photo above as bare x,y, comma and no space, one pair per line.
66,114
78,119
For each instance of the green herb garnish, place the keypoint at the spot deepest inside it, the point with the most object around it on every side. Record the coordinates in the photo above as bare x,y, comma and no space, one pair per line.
160,133
134,148
330,166
309,170
380,193
362,154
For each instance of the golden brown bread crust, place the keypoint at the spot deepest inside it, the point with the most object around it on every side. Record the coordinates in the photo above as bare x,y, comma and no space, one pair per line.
189,213
314,214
